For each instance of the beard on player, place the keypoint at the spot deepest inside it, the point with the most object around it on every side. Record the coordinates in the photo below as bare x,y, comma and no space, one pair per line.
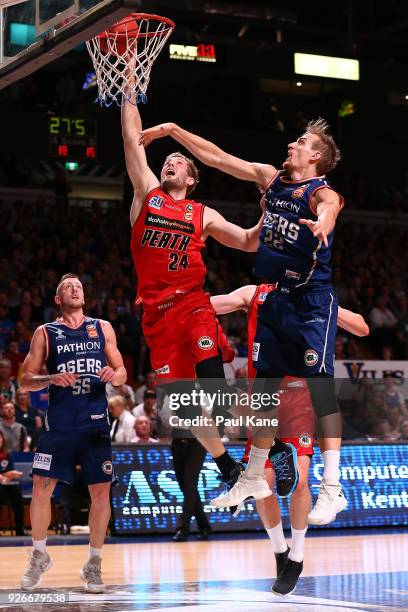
173,182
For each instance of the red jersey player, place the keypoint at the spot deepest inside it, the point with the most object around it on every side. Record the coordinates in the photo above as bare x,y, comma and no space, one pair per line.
168,235
296,426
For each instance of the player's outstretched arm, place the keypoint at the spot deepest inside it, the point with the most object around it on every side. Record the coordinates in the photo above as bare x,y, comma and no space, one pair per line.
211,155
239,299
31,379
352,322
229,234
115,371
327,204
143,179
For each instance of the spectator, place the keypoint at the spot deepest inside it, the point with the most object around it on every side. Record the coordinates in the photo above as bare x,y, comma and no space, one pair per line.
142,429
122,429
39,399
383,324
15,356
404,430
125,391
14,433
392,426
8,385
148,408
150,383
28,416
10,490
392,397
6,327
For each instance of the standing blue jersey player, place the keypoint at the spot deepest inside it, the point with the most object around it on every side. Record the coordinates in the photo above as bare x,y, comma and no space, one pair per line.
81,356
297,324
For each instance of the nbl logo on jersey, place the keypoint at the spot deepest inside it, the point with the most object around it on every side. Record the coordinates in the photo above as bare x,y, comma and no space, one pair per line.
299,191
188,213
92,331
156,202
262,297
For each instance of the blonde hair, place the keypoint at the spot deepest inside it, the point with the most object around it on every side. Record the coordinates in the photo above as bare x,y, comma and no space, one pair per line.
118,399
192,170
330,154
64,278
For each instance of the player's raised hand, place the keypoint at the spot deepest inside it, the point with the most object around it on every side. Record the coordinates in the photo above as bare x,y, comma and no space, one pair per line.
157,131
107,374
317,228
65,379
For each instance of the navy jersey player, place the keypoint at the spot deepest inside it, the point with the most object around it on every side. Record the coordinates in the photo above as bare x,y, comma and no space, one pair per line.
296,324
81,357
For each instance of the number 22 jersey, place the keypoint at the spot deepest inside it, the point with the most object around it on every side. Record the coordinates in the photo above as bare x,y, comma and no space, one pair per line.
288,252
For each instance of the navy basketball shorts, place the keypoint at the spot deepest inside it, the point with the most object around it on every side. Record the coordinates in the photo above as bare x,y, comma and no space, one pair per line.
296,333
58,453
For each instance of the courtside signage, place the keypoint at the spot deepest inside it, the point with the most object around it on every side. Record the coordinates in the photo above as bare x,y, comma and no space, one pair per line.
148,498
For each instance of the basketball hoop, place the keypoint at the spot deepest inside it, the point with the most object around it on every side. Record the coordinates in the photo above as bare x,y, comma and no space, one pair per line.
124,55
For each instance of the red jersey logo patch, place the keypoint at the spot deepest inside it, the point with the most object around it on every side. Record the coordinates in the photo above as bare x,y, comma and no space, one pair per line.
188,214
92,331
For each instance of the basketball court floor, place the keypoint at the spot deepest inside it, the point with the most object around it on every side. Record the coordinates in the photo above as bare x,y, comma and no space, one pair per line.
365,572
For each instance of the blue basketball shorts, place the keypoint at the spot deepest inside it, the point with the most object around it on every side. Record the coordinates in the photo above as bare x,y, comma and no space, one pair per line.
58,453
296,333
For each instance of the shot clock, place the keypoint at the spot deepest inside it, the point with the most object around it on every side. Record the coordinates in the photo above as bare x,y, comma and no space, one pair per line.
72,138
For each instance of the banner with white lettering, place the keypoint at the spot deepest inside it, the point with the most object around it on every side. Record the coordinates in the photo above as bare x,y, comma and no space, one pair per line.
148,498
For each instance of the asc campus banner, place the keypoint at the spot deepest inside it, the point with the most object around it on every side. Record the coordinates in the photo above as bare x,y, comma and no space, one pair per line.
148,498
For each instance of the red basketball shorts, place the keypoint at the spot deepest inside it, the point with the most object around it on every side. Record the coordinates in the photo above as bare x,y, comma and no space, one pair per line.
296,418
180,333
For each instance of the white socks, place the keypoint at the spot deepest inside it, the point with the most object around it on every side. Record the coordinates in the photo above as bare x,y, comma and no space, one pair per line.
277,538
40,545
256,462
94,552
298,544
331,460
279,544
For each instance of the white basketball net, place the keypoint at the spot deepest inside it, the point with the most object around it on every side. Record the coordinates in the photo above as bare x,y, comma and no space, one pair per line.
123,60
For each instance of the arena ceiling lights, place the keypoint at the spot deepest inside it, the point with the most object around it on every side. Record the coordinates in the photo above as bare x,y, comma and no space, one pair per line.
327,66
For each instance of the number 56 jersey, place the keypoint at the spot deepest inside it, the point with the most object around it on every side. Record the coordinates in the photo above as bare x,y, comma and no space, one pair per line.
166,247
81,351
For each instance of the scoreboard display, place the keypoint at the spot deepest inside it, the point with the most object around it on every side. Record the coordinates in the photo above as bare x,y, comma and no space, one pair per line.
72,138
148,498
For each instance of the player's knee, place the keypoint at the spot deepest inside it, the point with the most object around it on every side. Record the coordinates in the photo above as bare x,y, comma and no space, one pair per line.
43,489
322,391
267,505
302,487
100,494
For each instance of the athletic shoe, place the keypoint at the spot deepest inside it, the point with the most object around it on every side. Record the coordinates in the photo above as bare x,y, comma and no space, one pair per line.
39,562
180,536
230,480
329,502
286,581
245,488
281,559
284,458
91,574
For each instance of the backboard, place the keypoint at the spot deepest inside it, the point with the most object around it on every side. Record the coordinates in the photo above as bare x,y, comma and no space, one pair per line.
36,32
